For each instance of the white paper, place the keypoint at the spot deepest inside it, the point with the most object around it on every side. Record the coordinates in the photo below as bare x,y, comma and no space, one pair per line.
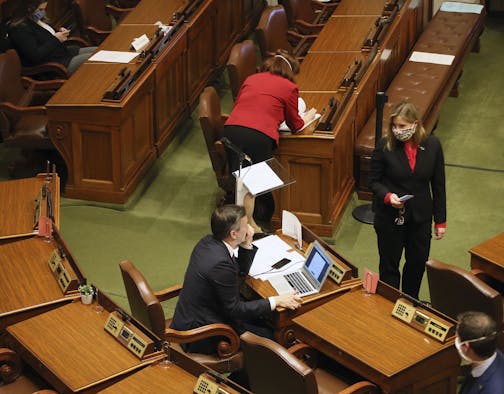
291,226
140,43
454,6
259,177
270,250
434,58
284,128
113,56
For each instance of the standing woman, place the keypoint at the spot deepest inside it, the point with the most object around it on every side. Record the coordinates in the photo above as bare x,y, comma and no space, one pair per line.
36,42
407,161
265,100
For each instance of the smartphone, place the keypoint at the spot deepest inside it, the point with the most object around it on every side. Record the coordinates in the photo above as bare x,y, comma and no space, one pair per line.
406,197
280,263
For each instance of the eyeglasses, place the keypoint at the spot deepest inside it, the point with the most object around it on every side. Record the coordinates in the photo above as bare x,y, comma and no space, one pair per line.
399,220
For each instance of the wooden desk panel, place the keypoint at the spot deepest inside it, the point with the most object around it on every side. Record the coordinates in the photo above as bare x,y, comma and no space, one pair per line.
69,347
489,257
17,200
343,33
124,35
359,332
151,11
329,69
360,7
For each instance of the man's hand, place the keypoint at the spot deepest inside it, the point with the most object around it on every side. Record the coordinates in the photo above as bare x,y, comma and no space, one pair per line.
249,237
290,300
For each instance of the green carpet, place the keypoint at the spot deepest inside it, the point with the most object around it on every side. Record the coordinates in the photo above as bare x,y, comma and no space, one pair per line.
170,211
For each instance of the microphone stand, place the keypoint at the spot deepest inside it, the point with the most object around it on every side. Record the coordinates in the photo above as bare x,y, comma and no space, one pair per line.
364,213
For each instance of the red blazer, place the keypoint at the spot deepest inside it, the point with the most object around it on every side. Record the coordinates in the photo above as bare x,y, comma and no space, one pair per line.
264,101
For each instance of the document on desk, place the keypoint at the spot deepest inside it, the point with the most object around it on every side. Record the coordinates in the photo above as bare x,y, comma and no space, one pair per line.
270,250
454,6
113,56
434,58
259,177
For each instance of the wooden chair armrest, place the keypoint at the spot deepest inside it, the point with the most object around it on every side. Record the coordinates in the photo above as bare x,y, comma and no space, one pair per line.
117,12
51,84
226,348
77,41
58,69
305,353
317,5
306,28
12,110
10,365
168,293
363,387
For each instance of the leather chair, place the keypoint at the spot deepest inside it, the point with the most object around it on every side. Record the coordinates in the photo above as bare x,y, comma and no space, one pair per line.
454,290
22,114
242,62
307,16
145,305
12,381
212,124
96,19
272,33
271,368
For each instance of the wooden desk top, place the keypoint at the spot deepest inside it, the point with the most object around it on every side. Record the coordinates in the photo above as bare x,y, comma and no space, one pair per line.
360,7
155,379
72,344
489,256
362,328
343,33
124,35
88,84
26,282
17,200
151,11
330,69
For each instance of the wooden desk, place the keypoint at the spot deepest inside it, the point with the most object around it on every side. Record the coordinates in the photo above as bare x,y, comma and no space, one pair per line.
70,349
27,285
489,257
360,7
282,319
359,332
17,204
109,145
343,33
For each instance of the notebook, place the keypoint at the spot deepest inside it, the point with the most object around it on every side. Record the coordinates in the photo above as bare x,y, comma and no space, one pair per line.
310,278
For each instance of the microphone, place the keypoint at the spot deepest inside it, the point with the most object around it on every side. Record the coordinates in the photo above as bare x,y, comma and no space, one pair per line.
235,149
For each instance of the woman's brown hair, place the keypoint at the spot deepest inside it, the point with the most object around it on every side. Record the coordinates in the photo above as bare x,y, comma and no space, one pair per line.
281,64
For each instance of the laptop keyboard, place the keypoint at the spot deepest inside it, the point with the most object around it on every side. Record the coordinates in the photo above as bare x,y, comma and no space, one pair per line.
298,282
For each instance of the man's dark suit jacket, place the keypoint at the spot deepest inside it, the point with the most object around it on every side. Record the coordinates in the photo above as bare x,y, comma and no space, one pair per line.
390,172
492,380
35,45
210,292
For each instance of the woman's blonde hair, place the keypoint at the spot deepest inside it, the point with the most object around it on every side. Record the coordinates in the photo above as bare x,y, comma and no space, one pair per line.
281,64
409,113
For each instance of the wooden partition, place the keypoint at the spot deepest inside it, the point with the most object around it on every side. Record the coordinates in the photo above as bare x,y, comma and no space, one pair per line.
108,145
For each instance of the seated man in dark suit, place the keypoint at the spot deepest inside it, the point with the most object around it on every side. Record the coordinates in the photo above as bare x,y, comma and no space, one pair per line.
36,42
476,343
211,292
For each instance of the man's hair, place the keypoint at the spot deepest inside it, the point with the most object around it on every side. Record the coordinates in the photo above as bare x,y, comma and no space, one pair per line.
226,219
476,325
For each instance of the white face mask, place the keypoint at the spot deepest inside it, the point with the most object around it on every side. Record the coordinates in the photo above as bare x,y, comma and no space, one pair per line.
465,359
404,134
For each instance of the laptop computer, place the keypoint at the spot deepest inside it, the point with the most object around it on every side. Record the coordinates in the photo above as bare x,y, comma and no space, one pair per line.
310,278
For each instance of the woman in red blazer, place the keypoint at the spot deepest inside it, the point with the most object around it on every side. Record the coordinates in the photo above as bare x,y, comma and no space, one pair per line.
407,162
265,100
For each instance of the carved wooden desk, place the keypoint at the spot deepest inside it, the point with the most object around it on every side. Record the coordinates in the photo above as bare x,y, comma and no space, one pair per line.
359,332
489,257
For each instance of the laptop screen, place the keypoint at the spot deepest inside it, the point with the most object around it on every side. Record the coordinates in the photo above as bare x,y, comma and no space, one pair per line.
318,263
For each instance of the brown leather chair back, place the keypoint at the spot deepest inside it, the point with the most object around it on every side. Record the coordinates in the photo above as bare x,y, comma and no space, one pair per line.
271,31
11,88
298,9
272,369
93,13
144,305
242,63
212,125
454,290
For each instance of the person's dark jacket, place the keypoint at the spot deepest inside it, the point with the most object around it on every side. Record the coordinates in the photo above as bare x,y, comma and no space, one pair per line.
35,45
